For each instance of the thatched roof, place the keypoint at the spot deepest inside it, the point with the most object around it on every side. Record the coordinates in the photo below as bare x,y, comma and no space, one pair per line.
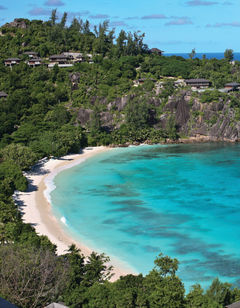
197,80
156,50
35,60
56,305
30,53
232,84
12,59
3,94
53,57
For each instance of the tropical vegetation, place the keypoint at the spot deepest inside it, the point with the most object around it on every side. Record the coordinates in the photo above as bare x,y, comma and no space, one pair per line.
44,116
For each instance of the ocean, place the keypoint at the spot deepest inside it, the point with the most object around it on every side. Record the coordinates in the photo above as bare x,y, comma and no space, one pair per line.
181,200
209,55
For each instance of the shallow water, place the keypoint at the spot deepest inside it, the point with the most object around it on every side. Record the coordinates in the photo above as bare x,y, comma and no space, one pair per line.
182,200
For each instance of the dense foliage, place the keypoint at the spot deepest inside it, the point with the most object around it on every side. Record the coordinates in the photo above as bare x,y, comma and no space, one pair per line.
31,277
48,114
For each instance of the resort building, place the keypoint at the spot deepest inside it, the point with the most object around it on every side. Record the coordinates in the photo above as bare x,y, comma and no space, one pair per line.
3,95
179,83
232,86
141,81
89,58
73,55
31,54
60,60
78,57
11,61
34,62
66,59
198,83
51,65
156,51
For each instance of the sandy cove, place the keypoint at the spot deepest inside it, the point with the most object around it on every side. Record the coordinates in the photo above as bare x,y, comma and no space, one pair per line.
37,211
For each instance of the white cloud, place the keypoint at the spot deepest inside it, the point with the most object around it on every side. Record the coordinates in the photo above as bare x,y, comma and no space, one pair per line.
200,3
179,21
54,3
38,11
154,16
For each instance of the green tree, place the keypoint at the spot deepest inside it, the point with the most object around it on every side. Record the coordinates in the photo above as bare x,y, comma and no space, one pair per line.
121,43
137,114
99,295
30,277
53,17
20,155
84,273
228,54
171,128
63,20
219,293
163,288
192,53
11,178
196,298
128,292
58,116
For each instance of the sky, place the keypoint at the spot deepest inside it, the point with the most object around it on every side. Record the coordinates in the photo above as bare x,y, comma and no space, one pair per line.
173,26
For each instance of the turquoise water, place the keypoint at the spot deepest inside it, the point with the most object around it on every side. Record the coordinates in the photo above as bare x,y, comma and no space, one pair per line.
182,200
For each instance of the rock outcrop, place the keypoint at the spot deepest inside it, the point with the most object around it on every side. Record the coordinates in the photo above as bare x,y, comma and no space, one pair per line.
193,119
17,23
84,116
74,79
216,120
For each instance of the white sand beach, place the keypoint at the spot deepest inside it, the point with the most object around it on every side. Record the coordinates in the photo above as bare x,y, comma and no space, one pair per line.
36,208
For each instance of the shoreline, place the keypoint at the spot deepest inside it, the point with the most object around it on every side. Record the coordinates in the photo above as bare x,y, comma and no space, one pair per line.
36,208
35,204
188,140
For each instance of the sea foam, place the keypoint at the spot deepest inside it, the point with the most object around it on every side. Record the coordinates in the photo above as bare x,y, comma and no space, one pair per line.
49,180
63,220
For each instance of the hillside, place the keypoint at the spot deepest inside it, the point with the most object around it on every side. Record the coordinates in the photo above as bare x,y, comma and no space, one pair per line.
102,92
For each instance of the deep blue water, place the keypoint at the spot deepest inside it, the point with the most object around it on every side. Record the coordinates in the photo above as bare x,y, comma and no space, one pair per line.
182,200
209,55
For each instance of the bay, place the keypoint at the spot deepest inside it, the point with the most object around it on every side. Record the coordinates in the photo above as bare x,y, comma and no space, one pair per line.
181,200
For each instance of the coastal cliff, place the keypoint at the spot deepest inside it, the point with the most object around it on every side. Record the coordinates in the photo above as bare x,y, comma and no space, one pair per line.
194,120
213,120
